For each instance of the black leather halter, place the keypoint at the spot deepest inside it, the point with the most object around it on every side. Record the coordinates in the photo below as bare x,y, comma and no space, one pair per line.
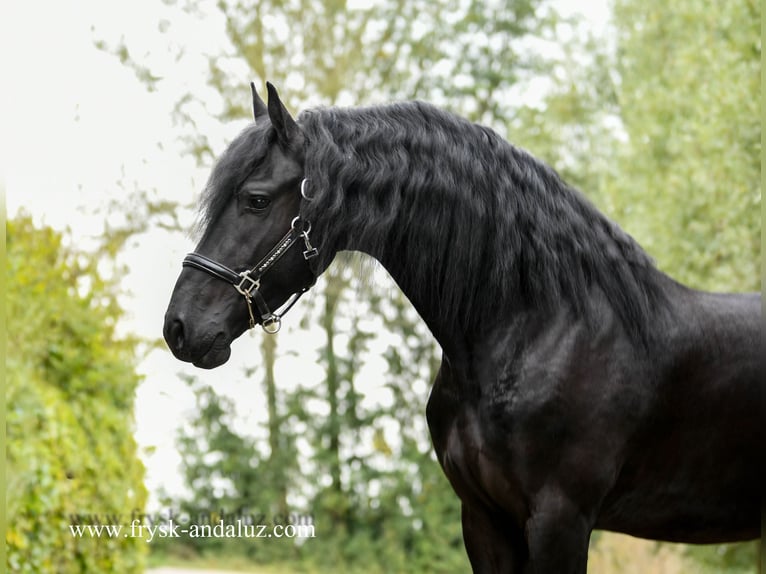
248,283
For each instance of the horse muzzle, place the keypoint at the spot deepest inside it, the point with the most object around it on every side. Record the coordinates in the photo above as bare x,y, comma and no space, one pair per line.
205,352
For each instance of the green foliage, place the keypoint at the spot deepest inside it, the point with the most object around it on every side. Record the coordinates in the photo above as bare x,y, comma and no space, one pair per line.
688,178
664,133
71,382
389,499
467,56
729,558
230,474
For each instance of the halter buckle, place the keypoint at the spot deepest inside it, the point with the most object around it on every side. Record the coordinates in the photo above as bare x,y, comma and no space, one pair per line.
255,284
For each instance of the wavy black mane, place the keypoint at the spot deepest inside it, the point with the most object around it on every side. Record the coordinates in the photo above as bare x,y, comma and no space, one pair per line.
473,223
492,225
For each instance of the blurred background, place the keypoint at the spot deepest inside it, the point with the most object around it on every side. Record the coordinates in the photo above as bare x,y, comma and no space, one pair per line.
113,114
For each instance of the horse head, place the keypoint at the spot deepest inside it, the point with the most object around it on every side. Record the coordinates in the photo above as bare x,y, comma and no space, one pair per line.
254,255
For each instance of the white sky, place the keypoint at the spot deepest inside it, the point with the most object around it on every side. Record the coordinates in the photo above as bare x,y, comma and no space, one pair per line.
79,129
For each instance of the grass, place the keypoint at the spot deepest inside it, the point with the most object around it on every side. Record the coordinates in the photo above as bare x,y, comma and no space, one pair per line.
224,563
609,554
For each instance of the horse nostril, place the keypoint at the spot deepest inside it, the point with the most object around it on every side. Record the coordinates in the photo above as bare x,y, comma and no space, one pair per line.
175,335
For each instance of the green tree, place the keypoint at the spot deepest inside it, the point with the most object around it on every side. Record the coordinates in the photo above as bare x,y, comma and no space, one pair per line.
430,526
71,456
688,178
471,57
383,503
231,475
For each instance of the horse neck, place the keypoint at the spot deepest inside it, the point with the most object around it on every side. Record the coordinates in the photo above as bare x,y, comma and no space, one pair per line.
473,230
414,213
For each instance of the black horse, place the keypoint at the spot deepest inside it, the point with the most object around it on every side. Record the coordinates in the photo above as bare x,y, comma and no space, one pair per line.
580,387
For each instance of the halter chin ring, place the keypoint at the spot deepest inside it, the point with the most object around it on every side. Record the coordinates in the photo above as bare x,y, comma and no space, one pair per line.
248,283
272,325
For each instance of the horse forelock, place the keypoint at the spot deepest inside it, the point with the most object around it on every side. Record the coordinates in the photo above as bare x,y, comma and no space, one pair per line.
230,171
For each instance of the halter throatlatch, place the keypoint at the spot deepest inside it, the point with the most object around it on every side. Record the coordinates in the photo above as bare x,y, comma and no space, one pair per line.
248,283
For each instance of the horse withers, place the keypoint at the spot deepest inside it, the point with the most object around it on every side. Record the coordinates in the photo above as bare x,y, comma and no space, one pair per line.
580,387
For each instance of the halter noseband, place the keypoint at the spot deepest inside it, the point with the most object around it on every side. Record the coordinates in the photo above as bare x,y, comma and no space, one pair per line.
248,283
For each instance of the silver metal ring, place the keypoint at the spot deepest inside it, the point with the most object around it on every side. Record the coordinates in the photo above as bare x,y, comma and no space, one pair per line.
306,225
272,324
303,190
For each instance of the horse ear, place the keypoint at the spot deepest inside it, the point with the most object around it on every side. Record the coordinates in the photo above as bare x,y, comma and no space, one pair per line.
259,107
280,117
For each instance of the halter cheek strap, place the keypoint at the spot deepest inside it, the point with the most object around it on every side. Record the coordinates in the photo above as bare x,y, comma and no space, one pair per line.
248,283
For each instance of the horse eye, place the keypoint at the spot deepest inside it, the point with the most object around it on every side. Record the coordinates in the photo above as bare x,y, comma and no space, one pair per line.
258,202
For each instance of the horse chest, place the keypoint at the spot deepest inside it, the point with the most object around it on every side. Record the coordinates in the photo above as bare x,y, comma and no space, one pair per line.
526,428
473,468
479,468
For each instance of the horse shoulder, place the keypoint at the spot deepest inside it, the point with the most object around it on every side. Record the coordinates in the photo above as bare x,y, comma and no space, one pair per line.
536,406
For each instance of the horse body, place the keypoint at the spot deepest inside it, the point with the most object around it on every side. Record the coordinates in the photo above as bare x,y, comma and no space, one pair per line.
548,428
570,432
580,387
691,474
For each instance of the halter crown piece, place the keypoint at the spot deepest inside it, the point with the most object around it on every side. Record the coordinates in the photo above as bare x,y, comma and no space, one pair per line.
248,282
